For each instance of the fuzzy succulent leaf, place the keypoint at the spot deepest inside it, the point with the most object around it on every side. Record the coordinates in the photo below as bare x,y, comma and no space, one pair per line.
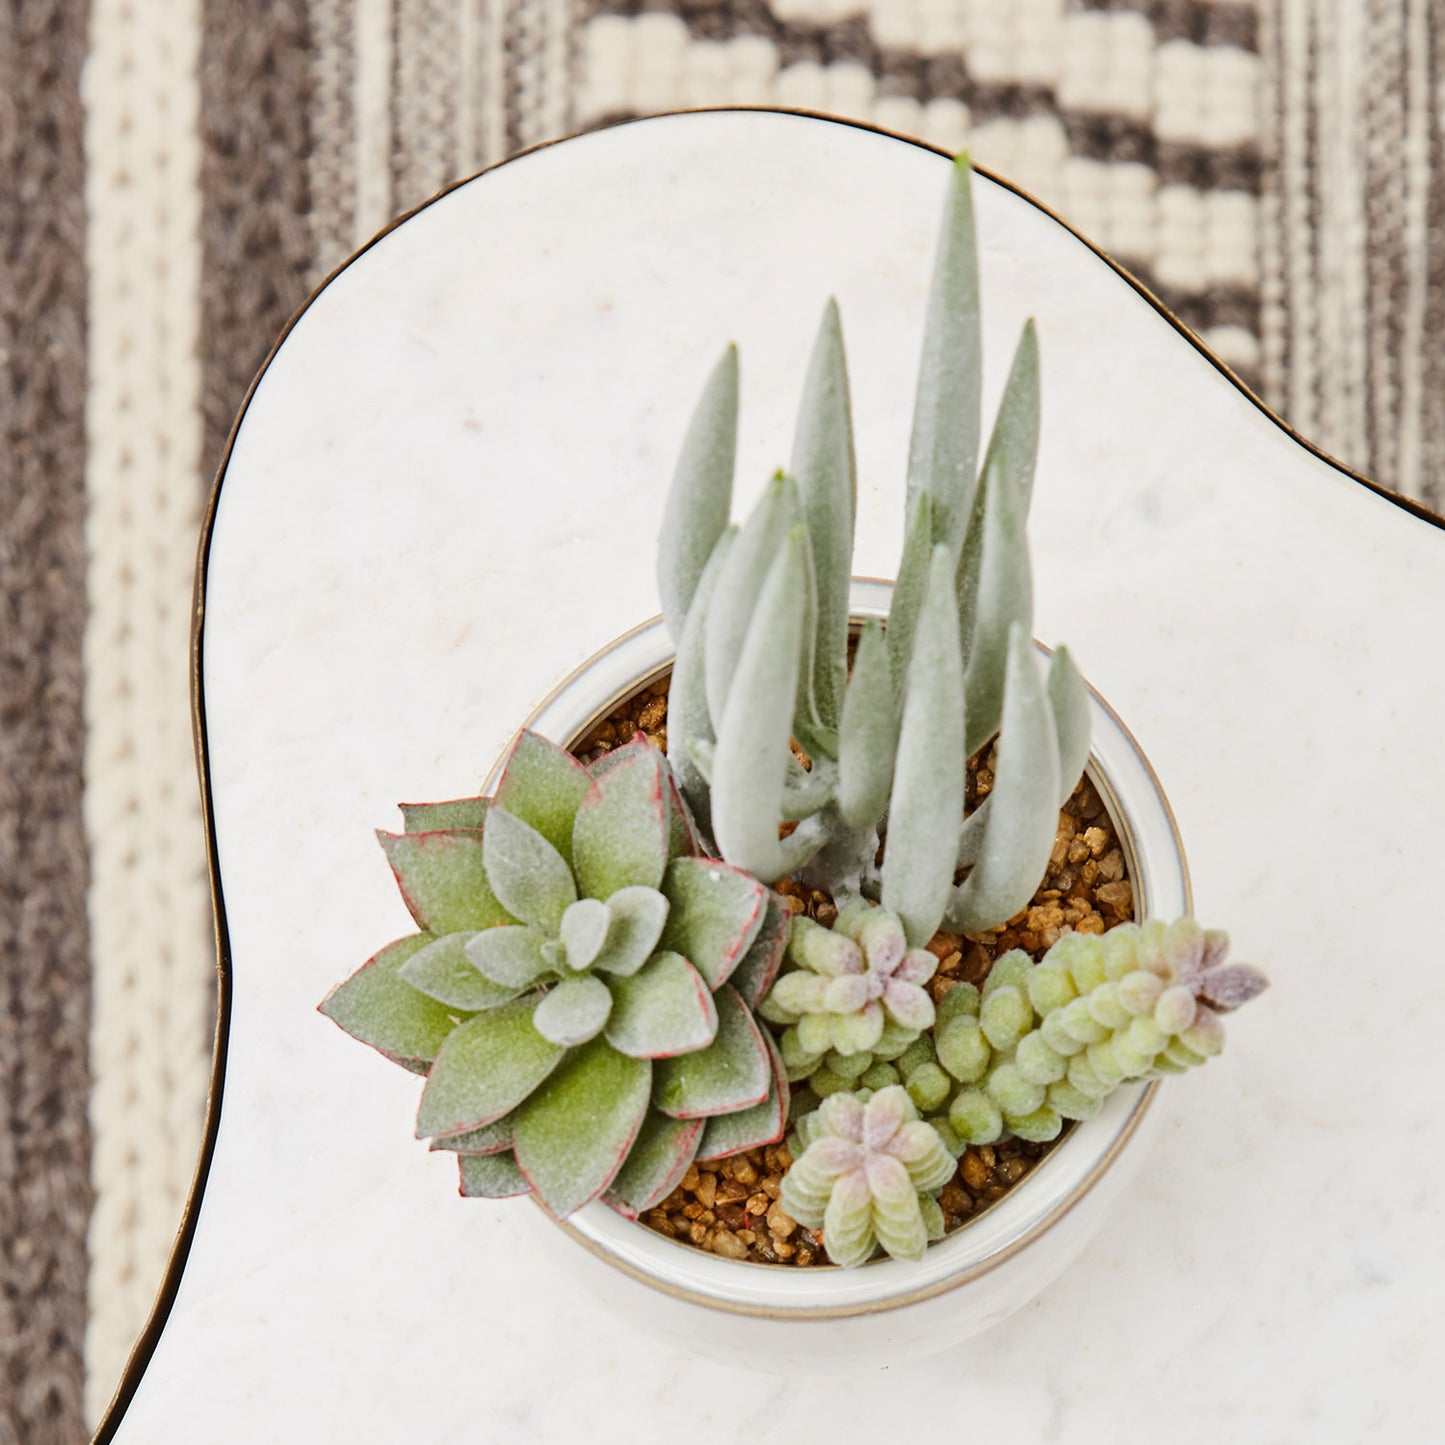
442,971
1013,445
378,1006
1069,699
621,836
754,1128
529,876
663,1010
572,1137
636,919
489,1139
701,494
510,956
995,594
655,1164
908,590
750,766
868,733
826,473
583,931
543,785
758,968
1023,807
715,912
458,814
486,1067
732,1073
740,582
689,719
928,781
443,880
574,1011
943,451
491,1176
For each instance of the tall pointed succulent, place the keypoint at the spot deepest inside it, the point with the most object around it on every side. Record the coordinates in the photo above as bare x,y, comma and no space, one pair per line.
580,995
762,630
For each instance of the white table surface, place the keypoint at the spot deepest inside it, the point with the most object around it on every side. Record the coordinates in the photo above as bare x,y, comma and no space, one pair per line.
444,496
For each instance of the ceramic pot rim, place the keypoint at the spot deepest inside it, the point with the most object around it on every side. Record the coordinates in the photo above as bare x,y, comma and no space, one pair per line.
1150,839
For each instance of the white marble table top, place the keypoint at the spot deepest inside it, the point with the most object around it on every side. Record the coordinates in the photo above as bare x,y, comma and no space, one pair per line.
444,496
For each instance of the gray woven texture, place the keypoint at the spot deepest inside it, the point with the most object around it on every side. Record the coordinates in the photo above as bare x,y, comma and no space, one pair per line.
1273,169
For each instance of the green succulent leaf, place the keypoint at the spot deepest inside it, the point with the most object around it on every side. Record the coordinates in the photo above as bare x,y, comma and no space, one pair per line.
528,875
734,1072
443,880
715,911
583,932
443,971
908,590
491,1176
655,1164
511,957
1069,699
1023,806
574,1011
620,839
378,1006
460,814
663,1009
826,473
637,916
995,591
689,720
943,452
486,1067
701,495
681,834
868,736
1013,447
763,1124
758,968
489,1139
572,1137
544,785
928,783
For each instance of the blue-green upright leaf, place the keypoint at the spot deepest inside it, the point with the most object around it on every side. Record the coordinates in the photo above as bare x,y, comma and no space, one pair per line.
907,595
868,736
1013,446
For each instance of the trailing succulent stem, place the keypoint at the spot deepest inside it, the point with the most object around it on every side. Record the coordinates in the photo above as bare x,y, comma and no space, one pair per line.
760,617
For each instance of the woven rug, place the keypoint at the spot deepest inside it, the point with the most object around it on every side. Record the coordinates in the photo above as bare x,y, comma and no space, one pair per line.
175,176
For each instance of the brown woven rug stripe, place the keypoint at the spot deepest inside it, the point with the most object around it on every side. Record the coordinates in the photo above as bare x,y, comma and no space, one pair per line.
44,964
256,79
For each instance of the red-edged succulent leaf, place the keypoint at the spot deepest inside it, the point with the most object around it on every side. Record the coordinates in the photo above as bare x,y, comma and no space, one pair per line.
636,919
681,837
458,814
491,1176
574,1011
443,880
733,1072
620,839
543,785
442,971
758,969
655,1164
489,1139
377,1006
664,1009
510,957
764,1123
485,1069
572,1136
714,913
529,876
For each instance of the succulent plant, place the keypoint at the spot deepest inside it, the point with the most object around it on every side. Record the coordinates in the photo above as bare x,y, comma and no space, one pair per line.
580,996
760,617
852,995
866,1175
1048,1042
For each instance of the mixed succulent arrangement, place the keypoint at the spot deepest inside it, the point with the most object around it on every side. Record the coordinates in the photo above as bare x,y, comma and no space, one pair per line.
607,987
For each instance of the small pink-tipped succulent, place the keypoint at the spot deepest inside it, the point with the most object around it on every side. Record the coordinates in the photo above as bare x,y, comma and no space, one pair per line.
1051,1041
867,1176
580,996
854,993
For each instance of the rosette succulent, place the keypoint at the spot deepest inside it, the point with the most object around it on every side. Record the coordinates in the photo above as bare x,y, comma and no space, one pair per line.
760,617
867,1175
1048,1042
580,995
853,994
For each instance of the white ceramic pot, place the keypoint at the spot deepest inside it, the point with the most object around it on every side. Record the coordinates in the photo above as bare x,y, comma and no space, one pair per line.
826,1318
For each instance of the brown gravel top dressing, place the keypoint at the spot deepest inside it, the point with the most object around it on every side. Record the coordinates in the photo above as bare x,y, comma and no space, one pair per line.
731,1207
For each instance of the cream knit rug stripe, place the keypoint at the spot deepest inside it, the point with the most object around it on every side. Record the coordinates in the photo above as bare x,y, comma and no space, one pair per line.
1139,122
153,964
331,167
